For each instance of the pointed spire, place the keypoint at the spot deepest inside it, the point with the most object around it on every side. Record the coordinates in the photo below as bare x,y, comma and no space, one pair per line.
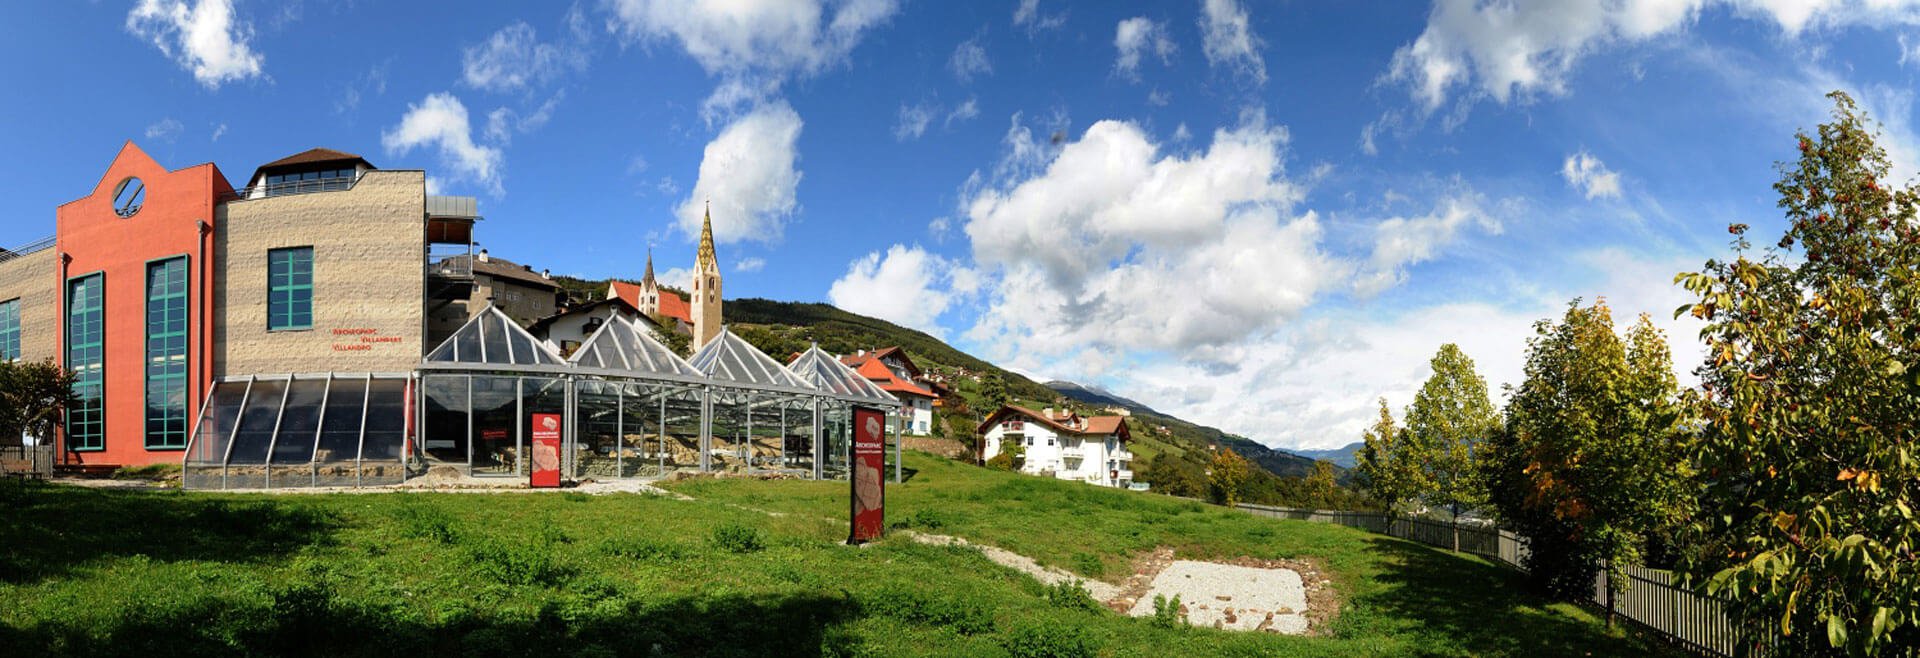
648,279
706,239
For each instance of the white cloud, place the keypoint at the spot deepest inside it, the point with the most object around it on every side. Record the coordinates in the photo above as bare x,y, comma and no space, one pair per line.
912,122
750,264
514,59
963,112
165,130
1114,246
755,45
749,172
1587,174
969,60
504,122
679,277
203,37
1510,51
1401,242
1228,40
906,285
1028,15
440,121
1138,36
218,132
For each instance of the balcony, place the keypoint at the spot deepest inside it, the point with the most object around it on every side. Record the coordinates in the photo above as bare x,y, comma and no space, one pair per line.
1073,452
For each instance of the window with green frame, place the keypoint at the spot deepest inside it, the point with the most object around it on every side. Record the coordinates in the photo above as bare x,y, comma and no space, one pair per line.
167,353
10,330
290,288
86,357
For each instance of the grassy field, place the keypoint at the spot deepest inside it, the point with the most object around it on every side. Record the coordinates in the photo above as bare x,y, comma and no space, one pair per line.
160,573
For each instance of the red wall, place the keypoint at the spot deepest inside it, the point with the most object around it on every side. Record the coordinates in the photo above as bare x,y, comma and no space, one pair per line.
93,238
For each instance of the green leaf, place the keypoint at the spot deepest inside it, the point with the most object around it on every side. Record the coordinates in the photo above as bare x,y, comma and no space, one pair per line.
1880,618
1836,631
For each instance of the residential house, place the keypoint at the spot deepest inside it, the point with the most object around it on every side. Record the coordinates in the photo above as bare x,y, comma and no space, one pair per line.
566,330
895,373
1064,444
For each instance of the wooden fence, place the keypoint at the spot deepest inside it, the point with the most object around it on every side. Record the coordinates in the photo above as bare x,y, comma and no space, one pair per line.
1643,595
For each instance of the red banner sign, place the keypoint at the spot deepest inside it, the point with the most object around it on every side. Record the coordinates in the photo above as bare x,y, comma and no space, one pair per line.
546,451
869,475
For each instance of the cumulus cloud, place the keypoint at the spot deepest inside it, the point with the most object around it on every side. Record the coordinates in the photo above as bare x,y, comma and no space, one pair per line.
165,130
514,59
440,122
218,131
1587,174
1112,245
1137,36
750,173
905,285
969,60
202,36
504,122
1228,39
753,46
1401,242
912,122
1509,51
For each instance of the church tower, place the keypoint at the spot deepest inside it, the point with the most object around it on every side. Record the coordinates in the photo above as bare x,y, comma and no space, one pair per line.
649,289
706,287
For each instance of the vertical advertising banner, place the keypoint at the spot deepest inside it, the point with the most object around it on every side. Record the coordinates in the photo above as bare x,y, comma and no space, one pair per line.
545,471
869,465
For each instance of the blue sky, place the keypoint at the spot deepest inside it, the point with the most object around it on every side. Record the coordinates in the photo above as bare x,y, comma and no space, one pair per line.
1259,215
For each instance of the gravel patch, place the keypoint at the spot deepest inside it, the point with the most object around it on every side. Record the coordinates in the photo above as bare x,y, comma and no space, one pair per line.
1046,575
1232,597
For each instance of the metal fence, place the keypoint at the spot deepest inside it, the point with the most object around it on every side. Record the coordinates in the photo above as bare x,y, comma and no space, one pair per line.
1643,595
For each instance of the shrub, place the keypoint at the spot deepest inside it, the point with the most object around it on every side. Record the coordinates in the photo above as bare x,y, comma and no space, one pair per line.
520,563
429,523
1048,640
1072,596
737,538
909,603
1166,614
924,519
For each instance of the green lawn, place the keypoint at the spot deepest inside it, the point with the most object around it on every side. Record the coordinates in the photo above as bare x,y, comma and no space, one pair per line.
161,573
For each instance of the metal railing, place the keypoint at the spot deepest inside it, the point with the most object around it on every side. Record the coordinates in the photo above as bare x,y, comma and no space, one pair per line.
41,244
296,187
1643,595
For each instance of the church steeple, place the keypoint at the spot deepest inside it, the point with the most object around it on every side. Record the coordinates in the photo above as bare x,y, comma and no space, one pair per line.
706,286
648,279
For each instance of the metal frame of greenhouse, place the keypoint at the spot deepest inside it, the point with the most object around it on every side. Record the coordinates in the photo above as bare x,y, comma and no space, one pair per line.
632,408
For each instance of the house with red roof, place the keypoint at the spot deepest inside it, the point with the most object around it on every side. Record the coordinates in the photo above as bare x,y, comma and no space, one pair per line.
894,372
1063,444
651,299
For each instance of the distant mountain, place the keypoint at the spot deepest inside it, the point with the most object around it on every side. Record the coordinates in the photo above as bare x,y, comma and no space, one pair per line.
1097,395
1280,463
1345,456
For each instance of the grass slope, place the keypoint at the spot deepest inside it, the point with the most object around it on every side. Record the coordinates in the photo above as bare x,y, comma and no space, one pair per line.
103,572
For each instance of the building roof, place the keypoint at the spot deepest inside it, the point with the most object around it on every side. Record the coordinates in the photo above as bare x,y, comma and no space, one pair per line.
671,304
540,326
880,374
629,348
501,268
1080,426
312,156
728,359
491,338
828,374
883,354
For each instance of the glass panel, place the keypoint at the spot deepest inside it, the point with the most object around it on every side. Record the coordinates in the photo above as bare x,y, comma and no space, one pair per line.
600,425
340,432
86,333
299,420
10,330
290,288
494,449
386,433
446,426
210,437
523,350
493,341
166,384
247,457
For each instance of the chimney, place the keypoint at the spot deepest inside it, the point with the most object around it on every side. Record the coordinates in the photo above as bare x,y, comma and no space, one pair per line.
1049,412
483,256
546,273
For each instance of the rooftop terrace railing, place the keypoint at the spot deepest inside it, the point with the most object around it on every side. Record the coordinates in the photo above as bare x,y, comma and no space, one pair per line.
41,244
308,186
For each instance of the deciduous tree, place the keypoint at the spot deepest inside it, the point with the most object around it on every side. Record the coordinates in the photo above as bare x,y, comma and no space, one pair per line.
1811,391
1387,469
1450,416
1227,475
32,396
1322,491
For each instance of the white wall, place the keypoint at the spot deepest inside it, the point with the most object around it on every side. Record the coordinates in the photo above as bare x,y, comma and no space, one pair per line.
1047,451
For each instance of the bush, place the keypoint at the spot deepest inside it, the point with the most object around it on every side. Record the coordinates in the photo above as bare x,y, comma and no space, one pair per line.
1048,640
910,603
1166,614
521,562
924,519
737,538
1072,596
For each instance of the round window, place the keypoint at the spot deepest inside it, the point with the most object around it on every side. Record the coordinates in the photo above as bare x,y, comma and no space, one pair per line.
128,197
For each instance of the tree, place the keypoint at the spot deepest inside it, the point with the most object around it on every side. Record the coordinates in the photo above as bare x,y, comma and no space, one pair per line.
1167,477
1389,475
1811,404
32,397
1586,468
1450,416
1321,489
1012,456
681,344
994,392
1227,475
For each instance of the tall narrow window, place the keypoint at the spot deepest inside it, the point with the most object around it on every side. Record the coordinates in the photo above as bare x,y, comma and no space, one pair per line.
10,330
167,354
86,357
290,288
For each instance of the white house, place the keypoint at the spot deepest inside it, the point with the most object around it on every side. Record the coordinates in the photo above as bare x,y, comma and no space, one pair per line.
566,330
895,373
1064,445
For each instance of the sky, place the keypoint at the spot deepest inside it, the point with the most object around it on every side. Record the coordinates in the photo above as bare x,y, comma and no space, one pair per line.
1263,216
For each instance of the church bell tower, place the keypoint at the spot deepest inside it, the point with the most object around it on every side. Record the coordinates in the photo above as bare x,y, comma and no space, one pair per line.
706,287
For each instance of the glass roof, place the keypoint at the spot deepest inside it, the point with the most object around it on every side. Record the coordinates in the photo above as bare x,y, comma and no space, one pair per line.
729,359
626,345
828,374
493,338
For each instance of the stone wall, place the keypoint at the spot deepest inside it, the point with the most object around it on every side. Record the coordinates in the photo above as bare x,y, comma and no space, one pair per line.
368,291
34,279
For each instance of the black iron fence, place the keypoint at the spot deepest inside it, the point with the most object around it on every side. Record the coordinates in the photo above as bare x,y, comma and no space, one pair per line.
1643,595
